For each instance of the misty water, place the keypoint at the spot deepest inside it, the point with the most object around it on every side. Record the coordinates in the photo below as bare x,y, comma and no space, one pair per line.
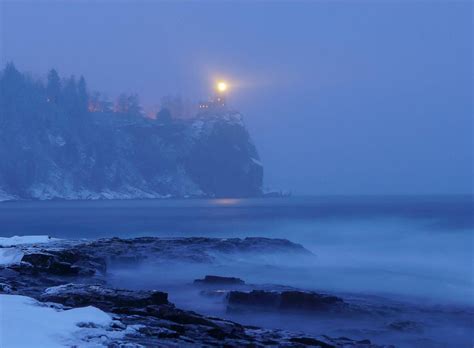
412,255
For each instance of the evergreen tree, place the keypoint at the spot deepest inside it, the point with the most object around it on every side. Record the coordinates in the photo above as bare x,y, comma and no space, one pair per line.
121,105
164,116
70,98
129,105
83,97
134,107
11,83
53,87
11,86
11,76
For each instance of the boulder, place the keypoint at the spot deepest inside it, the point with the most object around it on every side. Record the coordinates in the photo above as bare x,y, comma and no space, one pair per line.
256,298
107,299
308,341
49,263
218,280
67,262
282,301
299,300
406,326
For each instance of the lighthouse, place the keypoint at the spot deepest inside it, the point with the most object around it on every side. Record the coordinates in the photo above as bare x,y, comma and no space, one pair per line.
218,101
221,90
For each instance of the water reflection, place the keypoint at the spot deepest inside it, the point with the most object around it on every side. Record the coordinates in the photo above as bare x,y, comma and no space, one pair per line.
226,201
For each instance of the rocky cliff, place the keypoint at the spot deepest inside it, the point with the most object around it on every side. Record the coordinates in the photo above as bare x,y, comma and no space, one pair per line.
110,156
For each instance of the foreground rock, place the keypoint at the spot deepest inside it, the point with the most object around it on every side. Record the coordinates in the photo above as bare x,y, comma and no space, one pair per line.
159,323
73,274
62,262
66,262
110,300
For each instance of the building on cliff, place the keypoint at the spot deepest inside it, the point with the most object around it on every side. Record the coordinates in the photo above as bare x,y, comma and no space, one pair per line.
218,101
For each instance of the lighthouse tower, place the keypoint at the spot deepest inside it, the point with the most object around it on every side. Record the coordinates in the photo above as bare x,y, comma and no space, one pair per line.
220,97
218,101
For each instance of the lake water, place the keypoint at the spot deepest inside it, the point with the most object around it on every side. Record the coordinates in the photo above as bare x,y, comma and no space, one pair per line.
405,245
411,257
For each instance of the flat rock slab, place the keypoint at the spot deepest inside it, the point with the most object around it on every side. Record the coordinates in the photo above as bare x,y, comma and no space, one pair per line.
283,301
211,280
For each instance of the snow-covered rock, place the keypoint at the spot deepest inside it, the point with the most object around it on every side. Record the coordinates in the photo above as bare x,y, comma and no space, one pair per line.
18,240
4,196
10,256
25,322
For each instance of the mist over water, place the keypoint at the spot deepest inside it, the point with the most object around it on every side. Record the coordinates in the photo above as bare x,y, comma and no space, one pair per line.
420,247
403,258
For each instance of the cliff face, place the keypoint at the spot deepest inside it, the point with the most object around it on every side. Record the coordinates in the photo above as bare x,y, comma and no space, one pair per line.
106,156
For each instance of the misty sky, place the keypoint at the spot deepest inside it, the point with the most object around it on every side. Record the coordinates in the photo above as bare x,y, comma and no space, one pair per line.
340,97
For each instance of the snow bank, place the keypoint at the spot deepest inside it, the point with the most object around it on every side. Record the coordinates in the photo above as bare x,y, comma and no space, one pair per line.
6,196
256,161
24,322
10,256
17,240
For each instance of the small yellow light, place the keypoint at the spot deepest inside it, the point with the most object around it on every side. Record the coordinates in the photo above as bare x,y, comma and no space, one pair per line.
222,86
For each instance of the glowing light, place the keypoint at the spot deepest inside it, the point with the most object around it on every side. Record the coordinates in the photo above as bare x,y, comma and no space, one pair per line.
227,201
222,86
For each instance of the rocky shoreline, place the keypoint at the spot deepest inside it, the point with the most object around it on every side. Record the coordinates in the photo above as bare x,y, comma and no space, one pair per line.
72,274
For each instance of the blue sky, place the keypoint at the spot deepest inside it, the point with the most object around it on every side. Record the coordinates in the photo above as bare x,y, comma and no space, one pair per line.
344,97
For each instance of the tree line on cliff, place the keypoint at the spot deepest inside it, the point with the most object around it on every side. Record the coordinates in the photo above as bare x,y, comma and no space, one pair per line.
29,99
23,97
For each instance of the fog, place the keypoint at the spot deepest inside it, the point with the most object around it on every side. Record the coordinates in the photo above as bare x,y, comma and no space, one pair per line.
339,97
390,269
362,109
367,245
402,260
380,257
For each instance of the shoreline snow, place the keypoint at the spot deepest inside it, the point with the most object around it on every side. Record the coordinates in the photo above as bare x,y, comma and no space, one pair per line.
9,256
20,240
9,252
25,322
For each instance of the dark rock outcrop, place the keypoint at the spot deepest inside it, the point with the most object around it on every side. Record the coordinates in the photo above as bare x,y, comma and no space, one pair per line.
406,326
110,300
65,262
211,280
200,250
308,341
223,160
282,301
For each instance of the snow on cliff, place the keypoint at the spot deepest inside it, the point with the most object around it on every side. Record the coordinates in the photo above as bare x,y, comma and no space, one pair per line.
108,157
